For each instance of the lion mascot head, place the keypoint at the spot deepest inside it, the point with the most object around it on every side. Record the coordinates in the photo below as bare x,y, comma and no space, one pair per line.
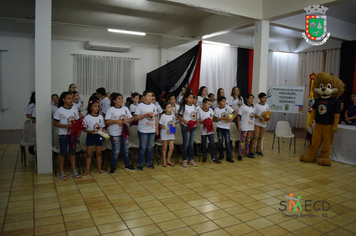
327,86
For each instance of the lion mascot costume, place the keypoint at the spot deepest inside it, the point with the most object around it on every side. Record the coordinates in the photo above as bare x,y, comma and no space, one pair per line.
326,113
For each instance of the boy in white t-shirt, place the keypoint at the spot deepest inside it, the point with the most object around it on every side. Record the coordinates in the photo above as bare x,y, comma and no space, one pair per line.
105,103
206,117
146,114
223,118
245,124
260,124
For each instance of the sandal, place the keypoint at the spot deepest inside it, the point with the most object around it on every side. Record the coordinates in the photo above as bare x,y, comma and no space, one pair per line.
170,164
184,163
164,165
101,172
85,175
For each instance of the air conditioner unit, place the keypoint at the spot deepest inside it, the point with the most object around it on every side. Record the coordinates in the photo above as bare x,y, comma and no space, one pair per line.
107,47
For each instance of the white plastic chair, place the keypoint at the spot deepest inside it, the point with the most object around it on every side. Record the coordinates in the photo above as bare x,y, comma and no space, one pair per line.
178,140
28,138
283,130
235,134
134,141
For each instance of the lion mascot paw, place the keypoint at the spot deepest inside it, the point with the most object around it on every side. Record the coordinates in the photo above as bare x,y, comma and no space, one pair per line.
326,113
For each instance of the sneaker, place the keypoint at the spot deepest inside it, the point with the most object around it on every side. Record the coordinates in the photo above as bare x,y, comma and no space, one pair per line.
239,158
62,176
184,163
129,167
250,155
221,158
112,171
192,163
260,154
216,161
204,159
150,165
140,166
230,160
75,174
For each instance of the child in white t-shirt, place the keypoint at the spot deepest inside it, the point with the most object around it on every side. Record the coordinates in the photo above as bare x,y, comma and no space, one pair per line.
94,122
154,101
202,93
146,114
171,99
117,116
181,95
260,124
206,113
104,101
214,104
76,104
223,117
135,97
54,106
31,105
246,123
188,112
167,119
63,117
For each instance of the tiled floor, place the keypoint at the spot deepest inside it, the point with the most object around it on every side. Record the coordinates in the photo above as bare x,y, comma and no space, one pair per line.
241,198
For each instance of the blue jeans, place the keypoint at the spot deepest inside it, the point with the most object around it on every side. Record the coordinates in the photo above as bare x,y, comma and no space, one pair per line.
117,143
212,145
224,133
146,146
188,142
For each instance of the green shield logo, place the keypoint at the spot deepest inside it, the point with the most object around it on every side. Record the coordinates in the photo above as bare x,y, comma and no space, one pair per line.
316,27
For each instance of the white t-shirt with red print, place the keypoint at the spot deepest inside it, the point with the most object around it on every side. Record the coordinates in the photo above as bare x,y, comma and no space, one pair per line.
202,115
166,120
147,124
65,116
223,112
247,120
190,113
94,122
114,113
236,103
260,109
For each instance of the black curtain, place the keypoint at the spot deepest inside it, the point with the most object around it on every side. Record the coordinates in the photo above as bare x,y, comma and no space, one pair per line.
243,70
165,77
347,69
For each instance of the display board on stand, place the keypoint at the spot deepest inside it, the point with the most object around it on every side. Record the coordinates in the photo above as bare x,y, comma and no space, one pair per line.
285,99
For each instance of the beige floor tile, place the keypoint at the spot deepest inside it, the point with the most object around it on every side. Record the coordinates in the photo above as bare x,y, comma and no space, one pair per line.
168,216
341,231
340,220
19,217
103,212
207,208
18,225
260,223
79,224
112,227
204,227
76,216
107,219
120,233
134,223
307,231
239,229
273,230
219,232
214,215
195,219
133,215
156,210
181,231
247,216
49,229
186,212
48,213
236,210
20,232
227,221
49,220
146,230
170,225
292,225
92,231
128,208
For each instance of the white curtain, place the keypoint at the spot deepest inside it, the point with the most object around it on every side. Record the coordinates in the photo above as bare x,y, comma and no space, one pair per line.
218,68
115,74
283,71
309,62
332,64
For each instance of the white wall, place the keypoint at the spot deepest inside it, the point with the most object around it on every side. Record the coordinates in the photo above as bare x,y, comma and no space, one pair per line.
17,72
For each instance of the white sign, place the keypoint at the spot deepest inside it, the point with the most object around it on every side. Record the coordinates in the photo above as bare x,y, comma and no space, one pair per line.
285,99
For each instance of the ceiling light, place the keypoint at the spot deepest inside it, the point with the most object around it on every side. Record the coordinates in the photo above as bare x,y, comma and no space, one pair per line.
214,43
126,32
214,34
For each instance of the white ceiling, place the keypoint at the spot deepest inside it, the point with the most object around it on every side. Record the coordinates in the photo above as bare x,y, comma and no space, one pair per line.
166,21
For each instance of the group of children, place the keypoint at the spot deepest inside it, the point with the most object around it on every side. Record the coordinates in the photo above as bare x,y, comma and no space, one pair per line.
153,118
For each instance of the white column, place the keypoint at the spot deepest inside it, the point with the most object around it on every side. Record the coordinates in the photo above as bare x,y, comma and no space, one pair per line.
260,58
43,85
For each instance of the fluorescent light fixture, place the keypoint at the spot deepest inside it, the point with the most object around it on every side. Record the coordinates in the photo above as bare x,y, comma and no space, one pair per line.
214,43
214,34
126,32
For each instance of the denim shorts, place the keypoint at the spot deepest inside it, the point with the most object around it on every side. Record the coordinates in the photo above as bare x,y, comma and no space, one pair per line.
94,139
64,141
